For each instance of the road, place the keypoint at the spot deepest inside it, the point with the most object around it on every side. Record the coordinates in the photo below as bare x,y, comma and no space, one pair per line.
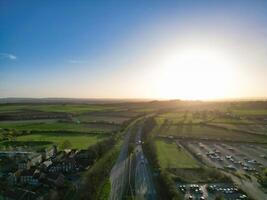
119,172
144,186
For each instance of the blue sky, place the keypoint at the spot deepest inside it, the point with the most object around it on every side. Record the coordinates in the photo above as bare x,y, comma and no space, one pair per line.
109,48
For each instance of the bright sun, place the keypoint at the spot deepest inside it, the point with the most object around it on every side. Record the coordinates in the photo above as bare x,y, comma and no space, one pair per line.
195,73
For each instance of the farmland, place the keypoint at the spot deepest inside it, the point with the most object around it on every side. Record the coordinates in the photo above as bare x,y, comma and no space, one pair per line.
38,126
253,128
57,126
250,112
116,117
208,132
44,140
66,108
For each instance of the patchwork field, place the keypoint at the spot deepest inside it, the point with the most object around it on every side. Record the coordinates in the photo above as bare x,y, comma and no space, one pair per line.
79,141
251,128
250,112
170,156
90,118
52,125
37,126
67,108
207,132
184,117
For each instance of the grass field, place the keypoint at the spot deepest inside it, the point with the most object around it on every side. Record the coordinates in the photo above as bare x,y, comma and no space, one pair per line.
207,132
57,126
231,121
249,112
79,141
185,117
244,116
102,118
68,108
171,157
251,128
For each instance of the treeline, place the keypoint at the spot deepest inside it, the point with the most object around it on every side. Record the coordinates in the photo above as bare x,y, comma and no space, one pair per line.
149,124
263,178
95,178
165,185
95,152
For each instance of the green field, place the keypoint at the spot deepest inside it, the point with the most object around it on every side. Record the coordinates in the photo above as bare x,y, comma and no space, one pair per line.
251,128
207,132
51,125
250,112
68,108
101,118
170,156
79,141
185,117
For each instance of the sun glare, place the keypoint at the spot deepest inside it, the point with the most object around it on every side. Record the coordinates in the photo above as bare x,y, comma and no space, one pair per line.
195,73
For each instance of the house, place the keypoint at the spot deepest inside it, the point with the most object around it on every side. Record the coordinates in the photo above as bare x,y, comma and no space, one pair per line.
65,166
57,179
27,177
11,194
12,178
71,153
45,165
24,164
51,153
36,159
82,154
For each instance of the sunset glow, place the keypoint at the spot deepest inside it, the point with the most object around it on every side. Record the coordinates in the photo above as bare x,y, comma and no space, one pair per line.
196,73
154,50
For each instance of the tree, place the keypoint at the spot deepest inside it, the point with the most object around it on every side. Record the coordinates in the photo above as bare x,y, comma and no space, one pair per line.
263,178
66,144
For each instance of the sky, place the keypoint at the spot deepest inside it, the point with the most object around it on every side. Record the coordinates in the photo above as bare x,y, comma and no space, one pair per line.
171,49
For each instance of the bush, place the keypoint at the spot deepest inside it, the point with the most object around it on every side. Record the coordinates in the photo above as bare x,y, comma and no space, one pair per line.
263,178
66,144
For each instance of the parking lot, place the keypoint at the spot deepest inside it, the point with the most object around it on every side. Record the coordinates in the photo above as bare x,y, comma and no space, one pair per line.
244,158
210,191
242,162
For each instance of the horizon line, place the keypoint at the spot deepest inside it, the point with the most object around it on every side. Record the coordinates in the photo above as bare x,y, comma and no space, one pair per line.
138,99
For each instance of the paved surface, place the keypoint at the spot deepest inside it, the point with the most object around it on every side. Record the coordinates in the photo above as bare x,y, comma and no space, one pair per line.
144,186
209,191
119,172
239,153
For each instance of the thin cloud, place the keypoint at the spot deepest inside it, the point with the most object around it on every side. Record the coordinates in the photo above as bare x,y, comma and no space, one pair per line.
8,56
